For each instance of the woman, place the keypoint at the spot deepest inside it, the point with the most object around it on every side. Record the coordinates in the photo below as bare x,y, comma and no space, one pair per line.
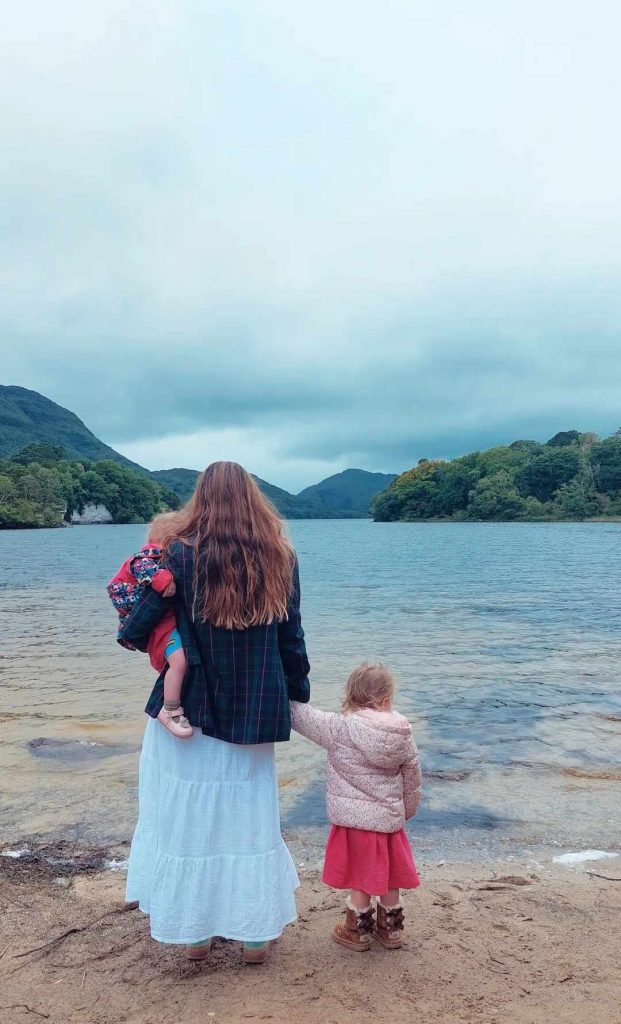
207,856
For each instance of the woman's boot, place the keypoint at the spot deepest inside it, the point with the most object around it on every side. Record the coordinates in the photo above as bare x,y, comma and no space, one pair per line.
389,926
356,930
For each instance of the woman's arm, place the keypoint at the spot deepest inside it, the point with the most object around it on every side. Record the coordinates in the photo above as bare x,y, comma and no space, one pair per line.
316,725
412,782
292,647
148,610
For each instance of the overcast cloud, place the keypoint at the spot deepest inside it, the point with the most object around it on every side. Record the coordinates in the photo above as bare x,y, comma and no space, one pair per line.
309,236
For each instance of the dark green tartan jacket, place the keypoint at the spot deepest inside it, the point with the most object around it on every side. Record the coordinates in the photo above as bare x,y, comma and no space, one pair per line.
239,682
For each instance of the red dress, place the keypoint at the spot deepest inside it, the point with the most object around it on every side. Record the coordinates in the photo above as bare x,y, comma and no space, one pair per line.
371,861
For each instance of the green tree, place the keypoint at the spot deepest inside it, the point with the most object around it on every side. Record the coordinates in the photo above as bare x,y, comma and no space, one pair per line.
19,514
418,490
409,496
7,489
132,498
574,499
565,438
495,497
50,489
503,457
535,510
589,439
95,489
28,486
41,453
605,462
454,481
525,446
546,472
386,507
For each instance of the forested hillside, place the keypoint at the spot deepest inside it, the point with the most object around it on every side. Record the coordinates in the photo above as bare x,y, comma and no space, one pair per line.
26,417
574,475
40,487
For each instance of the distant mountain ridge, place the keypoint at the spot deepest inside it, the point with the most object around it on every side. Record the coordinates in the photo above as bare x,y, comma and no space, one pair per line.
183,481
352,490
27,417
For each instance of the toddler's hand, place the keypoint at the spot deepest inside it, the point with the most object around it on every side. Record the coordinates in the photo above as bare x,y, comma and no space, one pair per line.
171,589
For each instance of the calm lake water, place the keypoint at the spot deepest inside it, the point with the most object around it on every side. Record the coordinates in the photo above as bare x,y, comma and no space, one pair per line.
505,639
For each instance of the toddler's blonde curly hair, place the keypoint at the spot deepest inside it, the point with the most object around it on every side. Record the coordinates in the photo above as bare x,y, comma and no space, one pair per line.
369,686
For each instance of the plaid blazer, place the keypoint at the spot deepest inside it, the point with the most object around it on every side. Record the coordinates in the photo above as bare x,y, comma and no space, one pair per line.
239,682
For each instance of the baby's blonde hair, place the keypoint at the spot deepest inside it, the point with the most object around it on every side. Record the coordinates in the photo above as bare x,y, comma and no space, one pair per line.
163,529
369,686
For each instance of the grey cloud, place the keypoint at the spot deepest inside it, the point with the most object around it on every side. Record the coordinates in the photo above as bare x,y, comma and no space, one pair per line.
368,239
183,387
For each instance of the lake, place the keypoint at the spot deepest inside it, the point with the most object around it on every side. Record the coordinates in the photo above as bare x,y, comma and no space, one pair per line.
505,639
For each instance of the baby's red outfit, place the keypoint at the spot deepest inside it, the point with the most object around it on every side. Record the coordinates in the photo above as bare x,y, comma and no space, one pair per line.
161,634
159,581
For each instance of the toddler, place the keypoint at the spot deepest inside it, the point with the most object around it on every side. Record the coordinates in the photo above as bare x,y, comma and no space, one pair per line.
164,648
374,784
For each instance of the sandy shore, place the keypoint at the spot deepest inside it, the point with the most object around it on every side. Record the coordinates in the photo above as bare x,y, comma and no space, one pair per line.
486,943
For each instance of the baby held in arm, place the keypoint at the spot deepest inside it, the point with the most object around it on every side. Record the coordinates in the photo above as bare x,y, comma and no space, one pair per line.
165,649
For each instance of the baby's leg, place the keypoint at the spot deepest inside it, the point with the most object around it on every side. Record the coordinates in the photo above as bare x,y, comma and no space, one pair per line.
171,716
173,680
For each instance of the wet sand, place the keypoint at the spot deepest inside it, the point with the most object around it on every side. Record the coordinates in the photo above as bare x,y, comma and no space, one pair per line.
486,943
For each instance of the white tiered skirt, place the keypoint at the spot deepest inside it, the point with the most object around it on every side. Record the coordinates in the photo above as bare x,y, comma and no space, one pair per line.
207,857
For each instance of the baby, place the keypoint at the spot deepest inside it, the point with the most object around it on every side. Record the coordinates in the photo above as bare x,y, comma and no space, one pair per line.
164,648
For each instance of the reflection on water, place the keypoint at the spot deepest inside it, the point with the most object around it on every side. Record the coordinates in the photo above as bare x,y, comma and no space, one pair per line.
505,639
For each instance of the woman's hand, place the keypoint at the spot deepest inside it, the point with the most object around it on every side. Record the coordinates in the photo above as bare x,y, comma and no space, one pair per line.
171,589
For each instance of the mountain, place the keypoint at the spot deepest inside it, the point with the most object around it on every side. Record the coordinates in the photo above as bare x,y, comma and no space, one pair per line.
183,481
27,417
291,506
350,491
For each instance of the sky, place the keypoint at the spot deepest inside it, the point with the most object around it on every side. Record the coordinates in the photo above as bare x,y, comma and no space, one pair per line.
313,236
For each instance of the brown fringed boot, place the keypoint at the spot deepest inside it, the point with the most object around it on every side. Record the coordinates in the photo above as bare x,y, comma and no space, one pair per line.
389,925
356,930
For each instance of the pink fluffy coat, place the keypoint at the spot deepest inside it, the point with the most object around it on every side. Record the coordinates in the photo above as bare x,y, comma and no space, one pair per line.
374,775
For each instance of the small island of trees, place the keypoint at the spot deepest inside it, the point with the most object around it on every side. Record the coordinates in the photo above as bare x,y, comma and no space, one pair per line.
573,476
40,487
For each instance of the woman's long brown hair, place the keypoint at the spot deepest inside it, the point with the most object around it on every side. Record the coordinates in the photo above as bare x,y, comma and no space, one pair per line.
243,563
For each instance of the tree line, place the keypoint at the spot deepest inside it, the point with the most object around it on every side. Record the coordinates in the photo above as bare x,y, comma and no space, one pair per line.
574,475
41,487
